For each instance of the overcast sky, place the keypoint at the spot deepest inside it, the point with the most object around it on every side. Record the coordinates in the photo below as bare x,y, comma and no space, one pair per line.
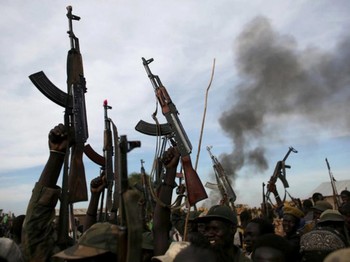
281,79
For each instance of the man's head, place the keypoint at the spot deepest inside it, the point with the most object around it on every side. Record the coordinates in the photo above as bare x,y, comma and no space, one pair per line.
99,240
272,248
317,197
345,196
332,219
220,225
245,217
256,228
307,204
191,223
319,207
194,253
319,242
291,219
345,211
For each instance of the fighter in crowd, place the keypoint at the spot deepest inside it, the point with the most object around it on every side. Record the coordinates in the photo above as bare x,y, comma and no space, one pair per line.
139,220
309,232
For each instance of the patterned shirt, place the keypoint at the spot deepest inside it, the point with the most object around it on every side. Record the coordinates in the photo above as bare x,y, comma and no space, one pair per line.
38,233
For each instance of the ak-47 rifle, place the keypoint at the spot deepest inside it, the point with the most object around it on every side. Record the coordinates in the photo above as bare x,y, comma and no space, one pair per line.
334,187
264,206
146,193
144,188
74,187
130,224
106,163
195,189
279,173
223,183
108,154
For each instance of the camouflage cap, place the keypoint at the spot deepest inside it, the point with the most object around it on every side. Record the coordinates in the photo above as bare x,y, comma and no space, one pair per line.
331,215
100,238
221,212
322,205
294,211
340,255
173,250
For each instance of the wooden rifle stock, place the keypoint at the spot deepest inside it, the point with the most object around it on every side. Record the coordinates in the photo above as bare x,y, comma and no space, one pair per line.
76,178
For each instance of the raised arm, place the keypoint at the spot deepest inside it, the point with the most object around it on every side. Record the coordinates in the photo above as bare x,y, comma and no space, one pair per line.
162,210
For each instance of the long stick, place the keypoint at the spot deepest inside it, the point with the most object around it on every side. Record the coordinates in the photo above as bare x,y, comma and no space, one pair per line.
204,114
200,141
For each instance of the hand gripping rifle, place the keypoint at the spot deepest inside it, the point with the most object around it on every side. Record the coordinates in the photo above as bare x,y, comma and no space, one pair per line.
195,189
74,187
279,173
144,188
334,187
100,161
130,224
223,183
75,111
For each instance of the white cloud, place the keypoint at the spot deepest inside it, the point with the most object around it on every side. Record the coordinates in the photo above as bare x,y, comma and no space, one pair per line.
182,36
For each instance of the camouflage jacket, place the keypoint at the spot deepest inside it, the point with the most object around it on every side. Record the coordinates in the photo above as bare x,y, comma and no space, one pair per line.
38,233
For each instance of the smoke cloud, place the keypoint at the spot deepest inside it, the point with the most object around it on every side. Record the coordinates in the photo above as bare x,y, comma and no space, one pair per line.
278,84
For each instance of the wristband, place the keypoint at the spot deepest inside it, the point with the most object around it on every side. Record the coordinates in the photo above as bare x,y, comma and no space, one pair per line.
58,152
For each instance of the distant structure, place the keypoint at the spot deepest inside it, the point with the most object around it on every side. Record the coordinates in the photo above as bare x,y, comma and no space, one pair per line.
325,189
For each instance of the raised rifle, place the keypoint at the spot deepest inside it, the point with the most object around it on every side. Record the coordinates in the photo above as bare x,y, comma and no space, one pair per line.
146,193
106,163
108,155
265,210
279,173
74,187
223,182
195,189
145,188
334,187
100,161
130,224
75,111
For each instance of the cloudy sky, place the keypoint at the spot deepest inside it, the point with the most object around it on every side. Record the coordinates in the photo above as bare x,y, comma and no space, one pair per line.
281,79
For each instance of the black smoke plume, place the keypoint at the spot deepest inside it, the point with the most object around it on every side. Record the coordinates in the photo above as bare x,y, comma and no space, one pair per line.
280,84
